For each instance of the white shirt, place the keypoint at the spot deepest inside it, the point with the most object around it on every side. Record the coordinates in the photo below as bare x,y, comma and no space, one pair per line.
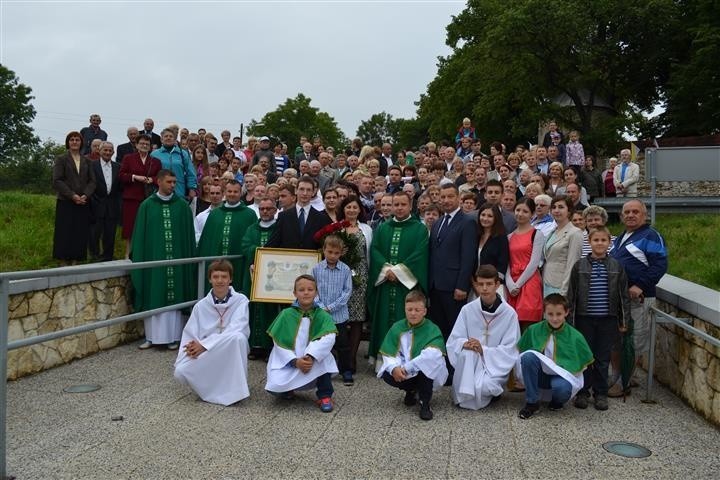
107,173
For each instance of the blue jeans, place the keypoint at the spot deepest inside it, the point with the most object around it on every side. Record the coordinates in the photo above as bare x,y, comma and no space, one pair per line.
324,386
535,379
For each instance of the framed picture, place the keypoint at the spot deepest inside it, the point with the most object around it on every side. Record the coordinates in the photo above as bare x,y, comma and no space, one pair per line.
276,270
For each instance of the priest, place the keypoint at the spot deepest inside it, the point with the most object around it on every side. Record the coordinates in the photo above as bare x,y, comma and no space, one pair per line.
481,346
398,264
224,229
261,314
214,346
163,231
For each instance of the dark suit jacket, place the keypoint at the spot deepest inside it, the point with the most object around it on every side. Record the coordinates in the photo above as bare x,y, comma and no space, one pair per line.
134,166
67,181
122,150
154,138
453,258
287,232
384,165
103,205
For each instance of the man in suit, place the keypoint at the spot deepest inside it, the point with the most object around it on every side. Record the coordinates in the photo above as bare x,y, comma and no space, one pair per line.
453,255
155,139
296,226
125,148
306,154
105,204
626,175
385,159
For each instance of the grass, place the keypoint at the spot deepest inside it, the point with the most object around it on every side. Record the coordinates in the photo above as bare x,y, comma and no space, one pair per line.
26,236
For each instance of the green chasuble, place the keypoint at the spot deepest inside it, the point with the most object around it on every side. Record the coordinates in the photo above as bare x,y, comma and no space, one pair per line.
571,350
222,235
261,314
284,328
424,334
394,243
164,230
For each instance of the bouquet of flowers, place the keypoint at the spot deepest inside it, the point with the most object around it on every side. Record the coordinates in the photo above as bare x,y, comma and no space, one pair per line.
350,255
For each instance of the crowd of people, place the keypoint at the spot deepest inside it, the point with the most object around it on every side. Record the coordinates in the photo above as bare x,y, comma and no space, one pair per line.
460,266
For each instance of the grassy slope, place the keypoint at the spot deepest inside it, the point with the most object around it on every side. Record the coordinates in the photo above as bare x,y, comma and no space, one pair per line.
27,220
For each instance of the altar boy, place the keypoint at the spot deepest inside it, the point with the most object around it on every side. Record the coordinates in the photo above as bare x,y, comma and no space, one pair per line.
212,358
303,336
553,356
413,355
482,344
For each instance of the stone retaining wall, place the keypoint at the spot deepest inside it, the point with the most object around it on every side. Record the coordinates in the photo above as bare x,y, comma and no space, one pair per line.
673,189
685,363
48,310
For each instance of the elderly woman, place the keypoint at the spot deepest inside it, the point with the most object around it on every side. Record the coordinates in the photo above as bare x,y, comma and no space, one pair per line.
74,181
607,177
137,174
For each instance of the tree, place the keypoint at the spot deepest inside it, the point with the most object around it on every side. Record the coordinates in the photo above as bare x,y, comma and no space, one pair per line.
30,168
296,118
510,70
16,114
378,129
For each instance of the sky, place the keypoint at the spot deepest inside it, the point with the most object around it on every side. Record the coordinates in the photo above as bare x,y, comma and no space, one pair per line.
219,64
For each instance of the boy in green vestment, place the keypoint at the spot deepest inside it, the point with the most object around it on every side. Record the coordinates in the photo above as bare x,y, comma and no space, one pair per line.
303,337
413,355
553,355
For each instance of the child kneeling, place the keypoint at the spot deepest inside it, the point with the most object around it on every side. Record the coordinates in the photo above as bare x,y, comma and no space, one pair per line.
553,356
303,336
413,355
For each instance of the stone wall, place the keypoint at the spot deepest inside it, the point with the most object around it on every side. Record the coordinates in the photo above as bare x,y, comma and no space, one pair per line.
42,311
673,189
684,362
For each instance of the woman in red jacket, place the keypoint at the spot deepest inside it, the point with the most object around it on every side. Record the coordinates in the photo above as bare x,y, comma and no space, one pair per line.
137,173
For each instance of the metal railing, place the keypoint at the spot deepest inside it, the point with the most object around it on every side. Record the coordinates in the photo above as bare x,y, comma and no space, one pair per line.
660,317
5,279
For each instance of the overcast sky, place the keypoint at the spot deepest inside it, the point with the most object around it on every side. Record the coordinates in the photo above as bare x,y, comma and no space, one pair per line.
219,64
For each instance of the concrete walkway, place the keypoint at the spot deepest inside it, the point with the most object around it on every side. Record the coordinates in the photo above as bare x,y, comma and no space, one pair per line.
168,433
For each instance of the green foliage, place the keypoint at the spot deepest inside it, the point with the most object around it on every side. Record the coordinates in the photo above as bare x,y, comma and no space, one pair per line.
296,118
517,63
16,114
413,132
378,129
693,91
30,168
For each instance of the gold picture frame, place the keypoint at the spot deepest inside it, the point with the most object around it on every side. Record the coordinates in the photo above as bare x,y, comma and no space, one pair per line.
276,270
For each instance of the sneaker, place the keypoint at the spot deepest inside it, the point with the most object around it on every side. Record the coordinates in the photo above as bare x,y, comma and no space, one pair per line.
326,404
410,398
554,406
145,345
601,403
581,400
173,345
348,379
528,410
425,411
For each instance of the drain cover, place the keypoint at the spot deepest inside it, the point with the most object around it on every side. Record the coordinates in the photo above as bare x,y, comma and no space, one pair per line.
627,449
81,388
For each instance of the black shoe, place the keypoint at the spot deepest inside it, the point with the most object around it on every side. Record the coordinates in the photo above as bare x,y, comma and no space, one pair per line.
348,380
581,400
410,398
601,402
425,412
528,410
554,407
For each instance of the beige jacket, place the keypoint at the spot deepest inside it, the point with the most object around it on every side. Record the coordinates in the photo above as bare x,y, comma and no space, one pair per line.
632,175
562,249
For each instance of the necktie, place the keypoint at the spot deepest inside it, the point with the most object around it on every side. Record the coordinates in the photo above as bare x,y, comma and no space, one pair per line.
446,220
301,220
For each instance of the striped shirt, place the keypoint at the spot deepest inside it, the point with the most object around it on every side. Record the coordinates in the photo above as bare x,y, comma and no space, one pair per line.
598,294
334,289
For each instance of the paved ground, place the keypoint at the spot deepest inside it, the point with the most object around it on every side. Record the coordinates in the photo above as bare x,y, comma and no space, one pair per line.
168,433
